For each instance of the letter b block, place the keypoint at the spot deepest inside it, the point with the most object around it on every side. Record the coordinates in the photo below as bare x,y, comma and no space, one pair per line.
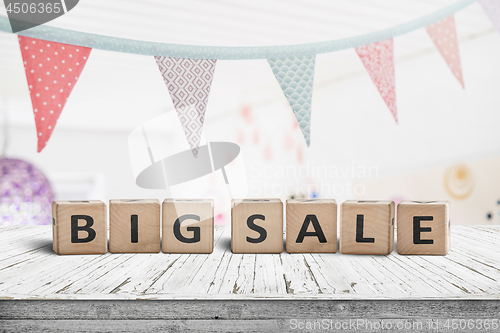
134,226
257,226
311,226
423,227
367,227
188,226
79,227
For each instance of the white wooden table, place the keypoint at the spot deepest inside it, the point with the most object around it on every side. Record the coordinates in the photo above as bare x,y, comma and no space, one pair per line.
267,288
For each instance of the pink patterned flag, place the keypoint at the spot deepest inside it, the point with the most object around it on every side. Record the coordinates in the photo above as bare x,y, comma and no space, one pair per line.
188,82
444,36
52,70
492,10
378,59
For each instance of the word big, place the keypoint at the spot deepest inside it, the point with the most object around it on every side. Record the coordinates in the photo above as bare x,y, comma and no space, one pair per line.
366,227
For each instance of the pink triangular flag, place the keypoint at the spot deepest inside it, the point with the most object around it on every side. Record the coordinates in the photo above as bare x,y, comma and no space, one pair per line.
444,36
492,10
188,82
52,70
378,59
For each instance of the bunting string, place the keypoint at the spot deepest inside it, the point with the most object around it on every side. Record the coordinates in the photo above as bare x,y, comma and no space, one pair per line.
109,43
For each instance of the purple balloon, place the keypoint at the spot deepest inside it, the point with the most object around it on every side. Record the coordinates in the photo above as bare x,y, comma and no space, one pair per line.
25,194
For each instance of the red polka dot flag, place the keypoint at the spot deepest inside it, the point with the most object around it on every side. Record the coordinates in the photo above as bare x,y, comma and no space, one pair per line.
444,36
52,70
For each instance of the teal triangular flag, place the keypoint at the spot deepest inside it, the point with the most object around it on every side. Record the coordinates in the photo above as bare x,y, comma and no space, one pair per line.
296,78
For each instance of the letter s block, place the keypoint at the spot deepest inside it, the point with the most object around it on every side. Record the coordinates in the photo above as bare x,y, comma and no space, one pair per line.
188,226
134,226
311,226
367,227
79,227
257,226
424,227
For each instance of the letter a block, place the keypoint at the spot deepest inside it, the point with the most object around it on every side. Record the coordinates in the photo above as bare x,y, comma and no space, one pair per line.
257,226
367,227
311,226
188,226
79,227
424,227
134,226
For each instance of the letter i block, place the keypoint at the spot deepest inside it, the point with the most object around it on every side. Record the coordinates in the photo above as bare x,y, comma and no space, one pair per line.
188,226
257,226
311,226
424,227
134,226
79,227
367,227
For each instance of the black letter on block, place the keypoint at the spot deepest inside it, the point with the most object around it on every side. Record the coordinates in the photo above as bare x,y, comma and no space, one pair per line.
259,229
417,230
134,229
359,230
195,230
318,232
87,227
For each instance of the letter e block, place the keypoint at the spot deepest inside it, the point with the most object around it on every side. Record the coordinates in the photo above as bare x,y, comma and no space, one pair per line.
79,227
188,226
257,226
311,226
424,227
134,226
367,227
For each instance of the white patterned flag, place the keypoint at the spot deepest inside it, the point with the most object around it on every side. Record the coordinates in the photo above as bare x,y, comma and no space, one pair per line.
52,70
296,78
378,59
444,36
188,82
492,10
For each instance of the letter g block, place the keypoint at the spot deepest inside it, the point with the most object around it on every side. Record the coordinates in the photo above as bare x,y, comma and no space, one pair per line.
79,227
188,226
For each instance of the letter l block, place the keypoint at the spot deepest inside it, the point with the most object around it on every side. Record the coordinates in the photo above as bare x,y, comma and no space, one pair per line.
79,227
188,226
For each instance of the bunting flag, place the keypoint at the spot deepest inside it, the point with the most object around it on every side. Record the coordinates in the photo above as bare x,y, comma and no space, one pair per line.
296,78
188,82
492,10
52,70
444,36
378,59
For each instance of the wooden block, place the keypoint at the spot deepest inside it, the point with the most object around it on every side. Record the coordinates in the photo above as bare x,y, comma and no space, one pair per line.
424,227
367,227
311,226
134,226
257,226
79,227
188,226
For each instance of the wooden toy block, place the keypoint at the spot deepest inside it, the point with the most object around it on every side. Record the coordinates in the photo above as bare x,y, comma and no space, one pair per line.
423,227
311,226
367,227
134,226
188,226
257,226
79,227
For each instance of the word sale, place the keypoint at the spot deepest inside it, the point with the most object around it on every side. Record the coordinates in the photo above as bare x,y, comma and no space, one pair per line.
366,227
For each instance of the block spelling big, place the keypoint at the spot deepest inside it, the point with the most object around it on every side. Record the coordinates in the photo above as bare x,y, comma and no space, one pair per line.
188,226
423,227
367,227
134,226
311,226
79,227
257,226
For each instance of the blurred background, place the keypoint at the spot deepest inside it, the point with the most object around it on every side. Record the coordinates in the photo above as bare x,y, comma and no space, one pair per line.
445,147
